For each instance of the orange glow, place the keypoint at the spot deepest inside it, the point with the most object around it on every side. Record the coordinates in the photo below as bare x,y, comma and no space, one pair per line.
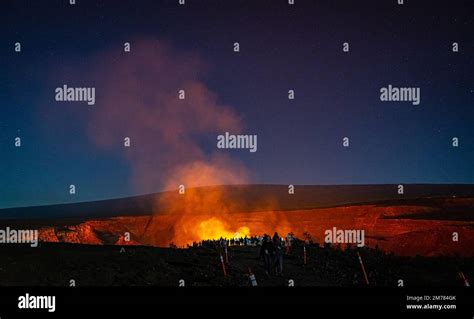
213,228
206,214
189,228
209,212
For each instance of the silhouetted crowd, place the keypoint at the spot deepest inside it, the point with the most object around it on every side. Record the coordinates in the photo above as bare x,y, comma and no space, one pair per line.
272,249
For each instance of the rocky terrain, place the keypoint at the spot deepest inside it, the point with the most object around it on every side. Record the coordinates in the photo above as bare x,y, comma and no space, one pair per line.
416,227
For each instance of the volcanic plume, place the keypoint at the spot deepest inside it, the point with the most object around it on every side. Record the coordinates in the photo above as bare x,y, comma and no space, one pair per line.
172,139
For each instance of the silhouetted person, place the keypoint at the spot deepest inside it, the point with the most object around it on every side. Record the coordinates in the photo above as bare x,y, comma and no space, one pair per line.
288,242
266,252
278,254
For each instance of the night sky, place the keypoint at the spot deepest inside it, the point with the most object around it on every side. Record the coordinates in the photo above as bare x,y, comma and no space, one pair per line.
282,47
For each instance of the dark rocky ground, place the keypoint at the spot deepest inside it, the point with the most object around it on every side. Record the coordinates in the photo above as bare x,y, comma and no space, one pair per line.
55,264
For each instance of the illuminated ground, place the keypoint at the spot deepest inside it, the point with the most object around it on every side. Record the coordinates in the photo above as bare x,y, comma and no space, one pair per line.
409,228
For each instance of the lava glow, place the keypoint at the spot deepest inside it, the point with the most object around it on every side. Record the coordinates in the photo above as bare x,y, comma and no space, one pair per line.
214,228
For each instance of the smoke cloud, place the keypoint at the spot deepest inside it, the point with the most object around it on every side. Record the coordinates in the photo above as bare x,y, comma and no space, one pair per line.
172,140
139,99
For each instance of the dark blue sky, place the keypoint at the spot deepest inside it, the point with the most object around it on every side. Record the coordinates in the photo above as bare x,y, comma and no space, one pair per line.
282,48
